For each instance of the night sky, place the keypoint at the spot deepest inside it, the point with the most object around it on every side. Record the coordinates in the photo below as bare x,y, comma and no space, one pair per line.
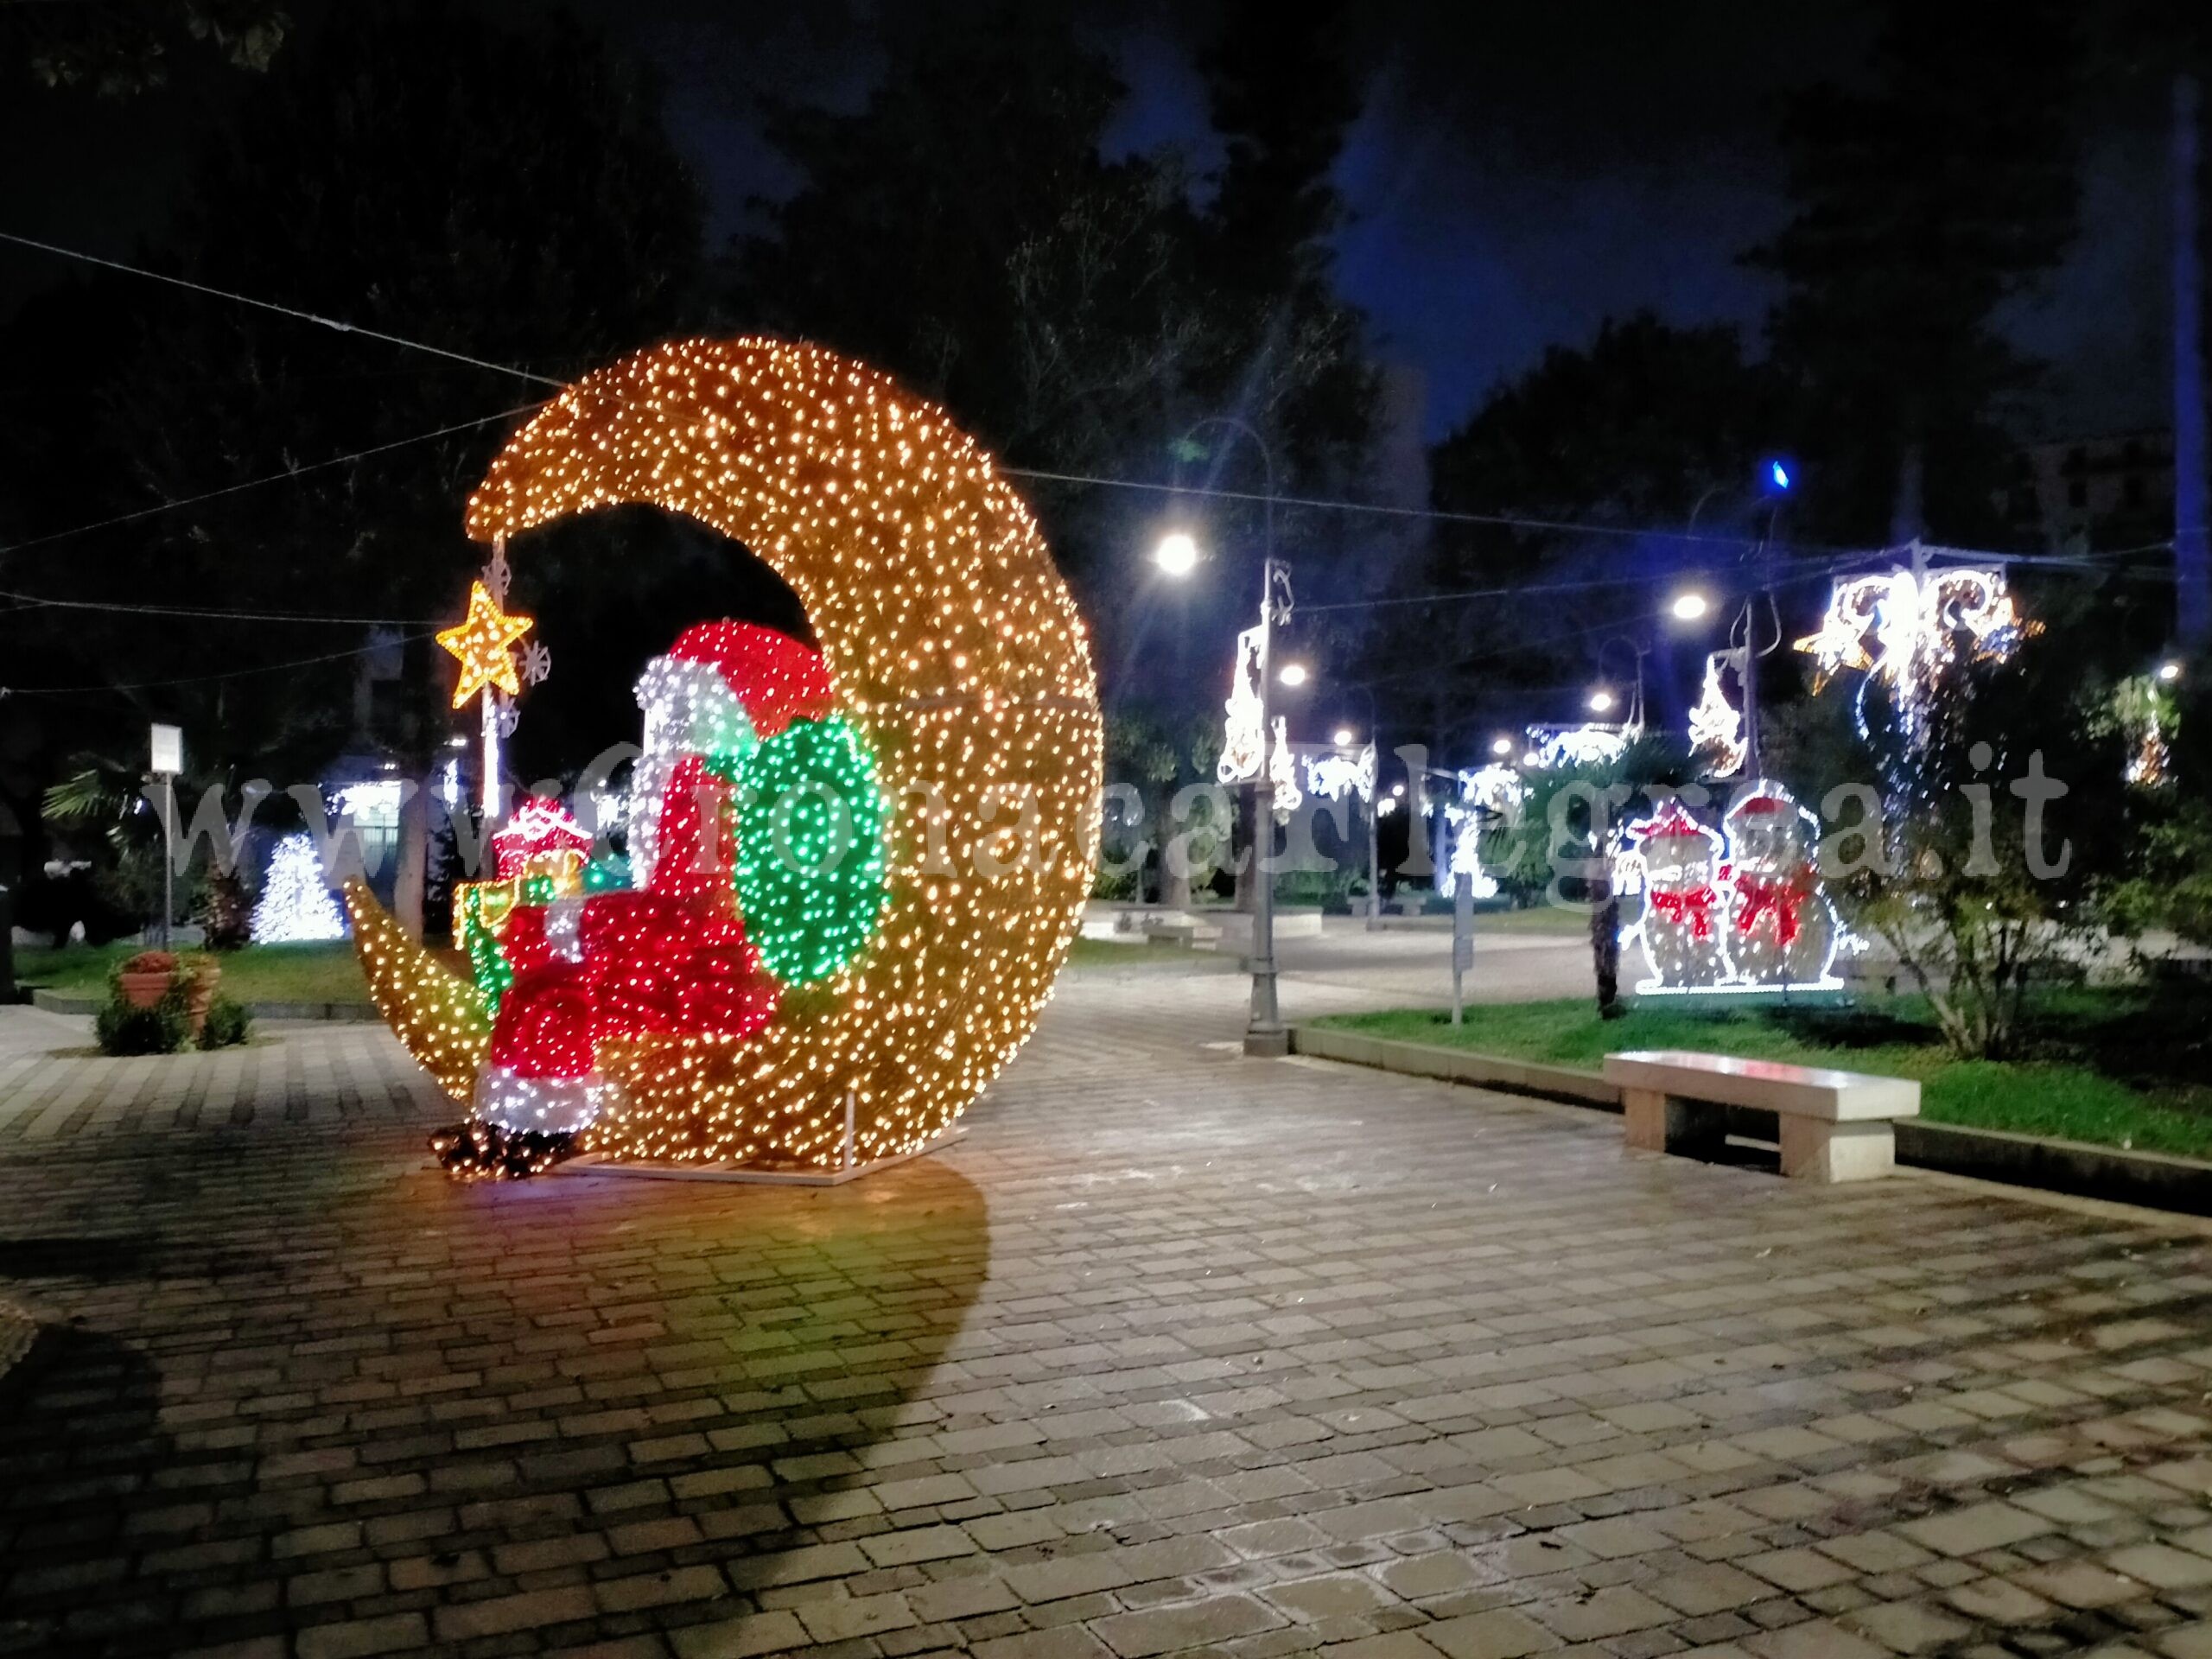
1516,176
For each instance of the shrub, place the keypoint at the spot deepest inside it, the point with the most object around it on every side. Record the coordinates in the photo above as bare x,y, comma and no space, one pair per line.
162,1029
225,912
228,1024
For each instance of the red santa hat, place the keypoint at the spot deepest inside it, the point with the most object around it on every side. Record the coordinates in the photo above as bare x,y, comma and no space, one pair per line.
775,678
1766,804
1670,823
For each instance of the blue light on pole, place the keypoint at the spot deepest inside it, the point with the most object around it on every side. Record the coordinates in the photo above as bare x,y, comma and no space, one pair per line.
1777,477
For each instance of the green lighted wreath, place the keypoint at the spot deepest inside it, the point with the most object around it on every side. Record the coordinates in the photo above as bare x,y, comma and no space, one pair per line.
810,849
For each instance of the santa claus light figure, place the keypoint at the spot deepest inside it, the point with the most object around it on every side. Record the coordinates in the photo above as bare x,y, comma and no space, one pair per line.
739,728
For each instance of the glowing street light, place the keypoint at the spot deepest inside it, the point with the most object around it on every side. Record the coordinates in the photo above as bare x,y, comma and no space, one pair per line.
1600,701
1777,477
1293,674
1341,737
1500,746
2170,672
1177,554
1689,606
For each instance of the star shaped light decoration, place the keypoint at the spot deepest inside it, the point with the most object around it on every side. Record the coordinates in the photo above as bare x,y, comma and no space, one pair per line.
483,641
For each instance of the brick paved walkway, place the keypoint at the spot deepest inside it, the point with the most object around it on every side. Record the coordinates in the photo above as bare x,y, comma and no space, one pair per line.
1175,1353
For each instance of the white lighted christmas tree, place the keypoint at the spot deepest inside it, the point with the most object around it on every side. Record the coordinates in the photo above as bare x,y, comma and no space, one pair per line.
295,905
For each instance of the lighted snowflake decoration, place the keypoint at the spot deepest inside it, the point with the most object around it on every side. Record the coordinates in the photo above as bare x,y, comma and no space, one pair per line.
1332,776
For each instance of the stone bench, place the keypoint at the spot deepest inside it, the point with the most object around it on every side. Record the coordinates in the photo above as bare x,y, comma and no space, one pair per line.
1833,1126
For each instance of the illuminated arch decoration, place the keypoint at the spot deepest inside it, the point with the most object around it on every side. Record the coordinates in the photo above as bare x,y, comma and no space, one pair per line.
955,656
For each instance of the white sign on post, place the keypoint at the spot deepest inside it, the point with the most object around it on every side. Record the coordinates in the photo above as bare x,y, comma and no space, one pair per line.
168,747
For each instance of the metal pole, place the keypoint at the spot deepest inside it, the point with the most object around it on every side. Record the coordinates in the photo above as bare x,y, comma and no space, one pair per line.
1751,690
1751,652
169,854
1373,855
1374,813
491,779
1264,1035
1463,940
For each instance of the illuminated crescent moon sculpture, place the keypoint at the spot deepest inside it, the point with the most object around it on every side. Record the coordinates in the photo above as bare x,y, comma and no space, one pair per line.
954,652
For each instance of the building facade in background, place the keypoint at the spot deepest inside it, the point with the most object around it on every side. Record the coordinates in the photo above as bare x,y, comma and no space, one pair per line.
2110,492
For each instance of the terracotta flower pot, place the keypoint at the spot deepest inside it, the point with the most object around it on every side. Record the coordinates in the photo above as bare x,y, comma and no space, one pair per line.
205,976
143,990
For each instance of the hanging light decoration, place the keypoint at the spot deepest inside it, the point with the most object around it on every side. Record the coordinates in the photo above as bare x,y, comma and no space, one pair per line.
1908,629
1334,776
1245,739
1716,724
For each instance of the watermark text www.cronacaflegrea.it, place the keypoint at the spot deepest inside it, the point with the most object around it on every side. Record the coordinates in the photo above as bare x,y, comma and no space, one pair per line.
1191,833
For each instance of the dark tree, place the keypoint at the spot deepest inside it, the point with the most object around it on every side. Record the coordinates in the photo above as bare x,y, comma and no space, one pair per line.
507,194
503,192
1922,203
1281,348
964,231
1650,425
118,47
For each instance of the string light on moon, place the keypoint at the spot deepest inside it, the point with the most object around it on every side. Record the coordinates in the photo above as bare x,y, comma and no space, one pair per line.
956,658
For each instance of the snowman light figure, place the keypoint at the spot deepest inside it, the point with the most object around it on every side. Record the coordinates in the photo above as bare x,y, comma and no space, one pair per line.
1782,931
1681,926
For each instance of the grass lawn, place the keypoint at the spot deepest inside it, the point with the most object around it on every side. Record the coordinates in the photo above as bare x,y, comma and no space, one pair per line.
259,973
1539,918
330,973
2118,1068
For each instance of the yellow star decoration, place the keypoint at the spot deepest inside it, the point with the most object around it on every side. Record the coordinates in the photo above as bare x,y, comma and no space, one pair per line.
483,640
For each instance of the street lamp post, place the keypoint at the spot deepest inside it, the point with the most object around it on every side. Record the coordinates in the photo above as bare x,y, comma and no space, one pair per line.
1777,478
1264,1034
1634,712
1749,689
1374,805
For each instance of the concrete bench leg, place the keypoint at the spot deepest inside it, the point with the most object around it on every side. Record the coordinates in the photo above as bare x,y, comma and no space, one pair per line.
1815,1150
1659,1122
